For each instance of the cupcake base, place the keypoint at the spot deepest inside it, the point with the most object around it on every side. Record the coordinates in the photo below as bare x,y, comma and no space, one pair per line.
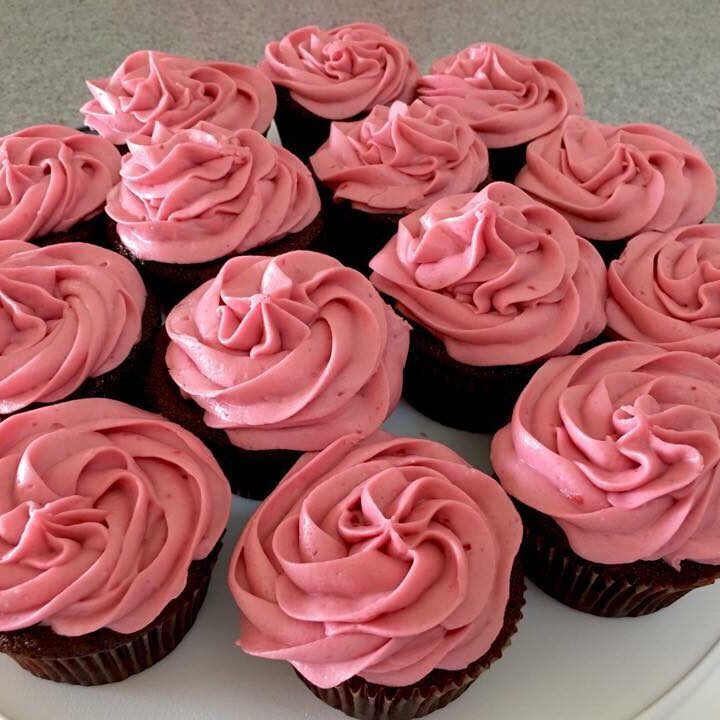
367,701
610,249
506,163
106,656
623,590
93,231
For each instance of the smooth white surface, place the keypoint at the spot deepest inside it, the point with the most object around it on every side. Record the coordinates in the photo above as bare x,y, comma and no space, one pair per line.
562,665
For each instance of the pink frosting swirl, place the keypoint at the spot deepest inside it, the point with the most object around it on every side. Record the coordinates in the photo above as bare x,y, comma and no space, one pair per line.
289,352
151,87
384,559
507,98
51,178
612,182
68,312
103,509
200,194
499,278
621,446
400,158
664,290
343,71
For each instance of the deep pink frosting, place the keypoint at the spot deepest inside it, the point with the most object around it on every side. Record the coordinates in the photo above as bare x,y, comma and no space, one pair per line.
507,98
68,312
400,158
288,352
621,446
151,87
343,71
612,182
103,508
384,559
200,194
499,278
51,178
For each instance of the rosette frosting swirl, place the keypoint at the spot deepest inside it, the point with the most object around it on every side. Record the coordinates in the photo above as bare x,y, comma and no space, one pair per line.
290,352
507,98
499,278
384,559
612,182
200,194
103,509
401,158
621,447
51,178
151,87
343,71
68,312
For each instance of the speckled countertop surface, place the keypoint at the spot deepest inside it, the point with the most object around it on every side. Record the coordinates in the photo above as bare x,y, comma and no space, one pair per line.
636,60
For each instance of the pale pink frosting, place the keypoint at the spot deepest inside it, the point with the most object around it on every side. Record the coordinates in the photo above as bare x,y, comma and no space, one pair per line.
200,194
68,312
621,446
400,158
51,178
103,508
499,278
612,182
289,352
343,71
385,559
507,98
151,87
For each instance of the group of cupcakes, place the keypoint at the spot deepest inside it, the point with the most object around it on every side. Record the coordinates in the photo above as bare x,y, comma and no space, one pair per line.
263,308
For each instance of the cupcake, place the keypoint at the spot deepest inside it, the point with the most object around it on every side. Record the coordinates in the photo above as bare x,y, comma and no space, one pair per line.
111,520
614,182
76,321
337,74
398,159
189,200
663,290
276,356
493,283
507,98
153,87
614,458
53,184
385,572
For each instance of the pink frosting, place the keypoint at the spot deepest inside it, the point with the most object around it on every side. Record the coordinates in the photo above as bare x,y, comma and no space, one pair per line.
68,312
151,87
289,352
341,72
507,98
499,278
386,559
400,158
51,178
621,446
612,182
665,290
103,508
200,194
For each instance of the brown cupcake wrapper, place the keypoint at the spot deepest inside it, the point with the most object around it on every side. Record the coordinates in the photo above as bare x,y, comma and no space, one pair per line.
506,163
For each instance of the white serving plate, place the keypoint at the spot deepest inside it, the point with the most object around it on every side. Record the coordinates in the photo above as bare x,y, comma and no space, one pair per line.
562,664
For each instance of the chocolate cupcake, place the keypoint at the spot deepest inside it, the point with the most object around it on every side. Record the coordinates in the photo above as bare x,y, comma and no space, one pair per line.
398,159
385,572
339,73
614,456
53,185
493,282
111,521
277,356
77,322
614,182
189,200
507,98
